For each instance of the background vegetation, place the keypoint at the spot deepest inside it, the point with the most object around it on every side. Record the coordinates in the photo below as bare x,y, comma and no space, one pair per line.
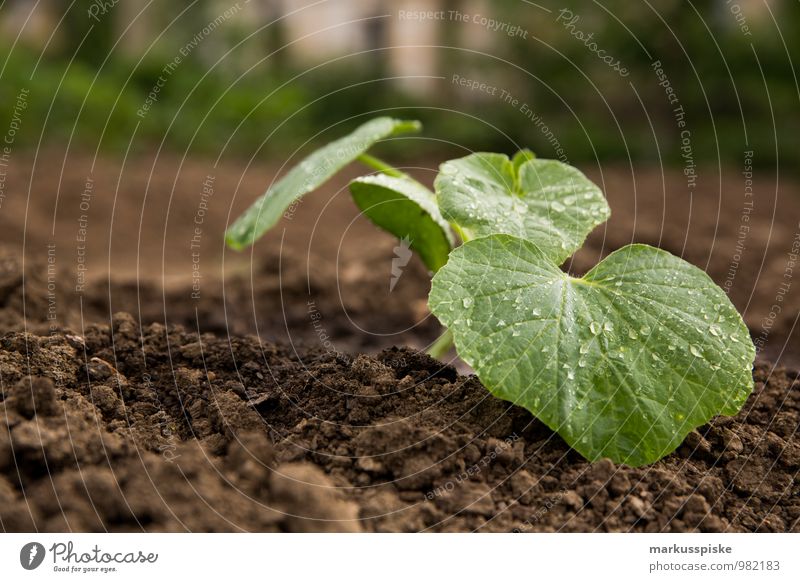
739,91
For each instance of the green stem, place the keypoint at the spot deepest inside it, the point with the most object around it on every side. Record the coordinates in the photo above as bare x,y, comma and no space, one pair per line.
380,165
442,345
460,232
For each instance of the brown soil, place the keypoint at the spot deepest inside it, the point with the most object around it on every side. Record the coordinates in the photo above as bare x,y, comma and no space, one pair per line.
268,419
164,430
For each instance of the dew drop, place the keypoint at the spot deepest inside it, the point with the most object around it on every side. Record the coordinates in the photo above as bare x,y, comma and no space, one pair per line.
594,327
695,352
466,302
632,334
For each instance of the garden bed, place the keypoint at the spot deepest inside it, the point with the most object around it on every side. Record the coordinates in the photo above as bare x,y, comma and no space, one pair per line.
244,410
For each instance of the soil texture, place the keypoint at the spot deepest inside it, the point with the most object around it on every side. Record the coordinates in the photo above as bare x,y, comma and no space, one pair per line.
159,429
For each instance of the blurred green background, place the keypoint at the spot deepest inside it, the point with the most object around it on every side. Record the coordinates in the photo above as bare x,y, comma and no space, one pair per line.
262,77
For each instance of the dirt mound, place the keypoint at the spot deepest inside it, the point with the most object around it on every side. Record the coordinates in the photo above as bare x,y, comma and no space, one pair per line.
158,429
85,449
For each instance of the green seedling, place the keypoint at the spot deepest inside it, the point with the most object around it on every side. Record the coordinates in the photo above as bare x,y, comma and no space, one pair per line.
622,363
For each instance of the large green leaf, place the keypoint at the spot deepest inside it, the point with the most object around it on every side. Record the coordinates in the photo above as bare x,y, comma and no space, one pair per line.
408,210
547,202
309,175
622,363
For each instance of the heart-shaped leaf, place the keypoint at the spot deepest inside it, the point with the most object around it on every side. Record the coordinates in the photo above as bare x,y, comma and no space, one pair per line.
408,210
309,175
622,363
547,202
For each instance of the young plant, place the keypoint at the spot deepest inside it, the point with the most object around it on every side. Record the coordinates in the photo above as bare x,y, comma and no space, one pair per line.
622,363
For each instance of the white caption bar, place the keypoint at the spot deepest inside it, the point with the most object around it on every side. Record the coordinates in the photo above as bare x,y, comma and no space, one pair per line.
462,557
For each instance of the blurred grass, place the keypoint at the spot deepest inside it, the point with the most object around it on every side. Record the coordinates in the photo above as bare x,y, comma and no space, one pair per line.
595,115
